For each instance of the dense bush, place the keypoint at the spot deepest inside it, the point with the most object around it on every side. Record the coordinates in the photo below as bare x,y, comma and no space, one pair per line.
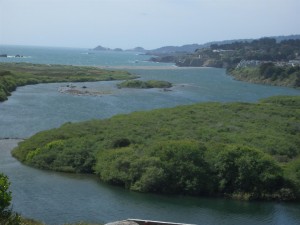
165,167
7,216
269,73
235,149
247,170
5,195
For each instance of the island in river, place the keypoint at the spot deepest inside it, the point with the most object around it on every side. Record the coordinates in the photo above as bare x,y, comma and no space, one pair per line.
13,75
292,127
84,90
236,150
145,84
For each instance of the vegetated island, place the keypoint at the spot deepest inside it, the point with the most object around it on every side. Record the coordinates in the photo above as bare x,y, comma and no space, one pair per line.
144,84
236,150
13,75
84,90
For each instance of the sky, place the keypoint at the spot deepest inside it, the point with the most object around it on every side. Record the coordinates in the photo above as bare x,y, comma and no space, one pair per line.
147,23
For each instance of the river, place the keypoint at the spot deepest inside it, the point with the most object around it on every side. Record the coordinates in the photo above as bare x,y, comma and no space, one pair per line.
58,198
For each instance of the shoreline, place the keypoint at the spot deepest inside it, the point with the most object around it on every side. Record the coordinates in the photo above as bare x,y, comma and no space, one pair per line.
150,67
11,139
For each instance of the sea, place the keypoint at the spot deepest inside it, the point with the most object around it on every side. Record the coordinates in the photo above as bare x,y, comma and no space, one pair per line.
59,198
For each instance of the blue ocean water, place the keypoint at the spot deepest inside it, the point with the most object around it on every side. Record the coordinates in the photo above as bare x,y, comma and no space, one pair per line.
74,56
58,198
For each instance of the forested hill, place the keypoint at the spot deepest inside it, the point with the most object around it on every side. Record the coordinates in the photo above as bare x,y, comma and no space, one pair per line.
230,55
260,61
191,48
240,150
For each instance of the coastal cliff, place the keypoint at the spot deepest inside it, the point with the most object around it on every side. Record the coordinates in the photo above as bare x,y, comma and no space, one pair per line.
264,60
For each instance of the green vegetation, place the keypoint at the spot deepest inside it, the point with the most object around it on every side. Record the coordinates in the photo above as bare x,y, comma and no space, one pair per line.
265,60
145,84
229,55
13,75
268,73
239,150
7,216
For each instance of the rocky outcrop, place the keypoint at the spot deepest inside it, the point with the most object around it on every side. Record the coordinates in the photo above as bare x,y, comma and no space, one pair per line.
101,48
190,61
199,62
164,59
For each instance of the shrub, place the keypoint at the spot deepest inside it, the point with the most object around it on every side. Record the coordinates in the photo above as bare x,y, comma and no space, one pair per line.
184,165
248,170
7,216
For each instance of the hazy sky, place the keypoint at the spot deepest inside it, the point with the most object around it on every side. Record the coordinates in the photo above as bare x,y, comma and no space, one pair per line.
147,23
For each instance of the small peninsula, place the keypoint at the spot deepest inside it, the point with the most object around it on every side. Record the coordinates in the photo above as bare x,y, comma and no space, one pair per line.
237,150
13,75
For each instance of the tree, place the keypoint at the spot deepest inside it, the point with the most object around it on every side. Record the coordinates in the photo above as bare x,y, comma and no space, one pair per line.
7,216
5,194
267,70
184,164
248,170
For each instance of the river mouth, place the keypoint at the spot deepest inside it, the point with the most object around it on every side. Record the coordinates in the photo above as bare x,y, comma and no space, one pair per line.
58,198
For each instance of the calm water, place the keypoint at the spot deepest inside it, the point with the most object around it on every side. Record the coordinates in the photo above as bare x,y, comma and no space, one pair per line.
58,198
73,56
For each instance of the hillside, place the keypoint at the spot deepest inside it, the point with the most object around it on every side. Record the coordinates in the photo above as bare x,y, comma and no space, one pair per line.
268,73
260,61
191,48
230,55
239,150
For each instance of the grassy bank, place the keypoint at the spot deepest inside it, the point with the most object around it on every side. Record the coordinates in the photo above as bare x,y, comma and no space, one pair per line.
240,150
13,75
